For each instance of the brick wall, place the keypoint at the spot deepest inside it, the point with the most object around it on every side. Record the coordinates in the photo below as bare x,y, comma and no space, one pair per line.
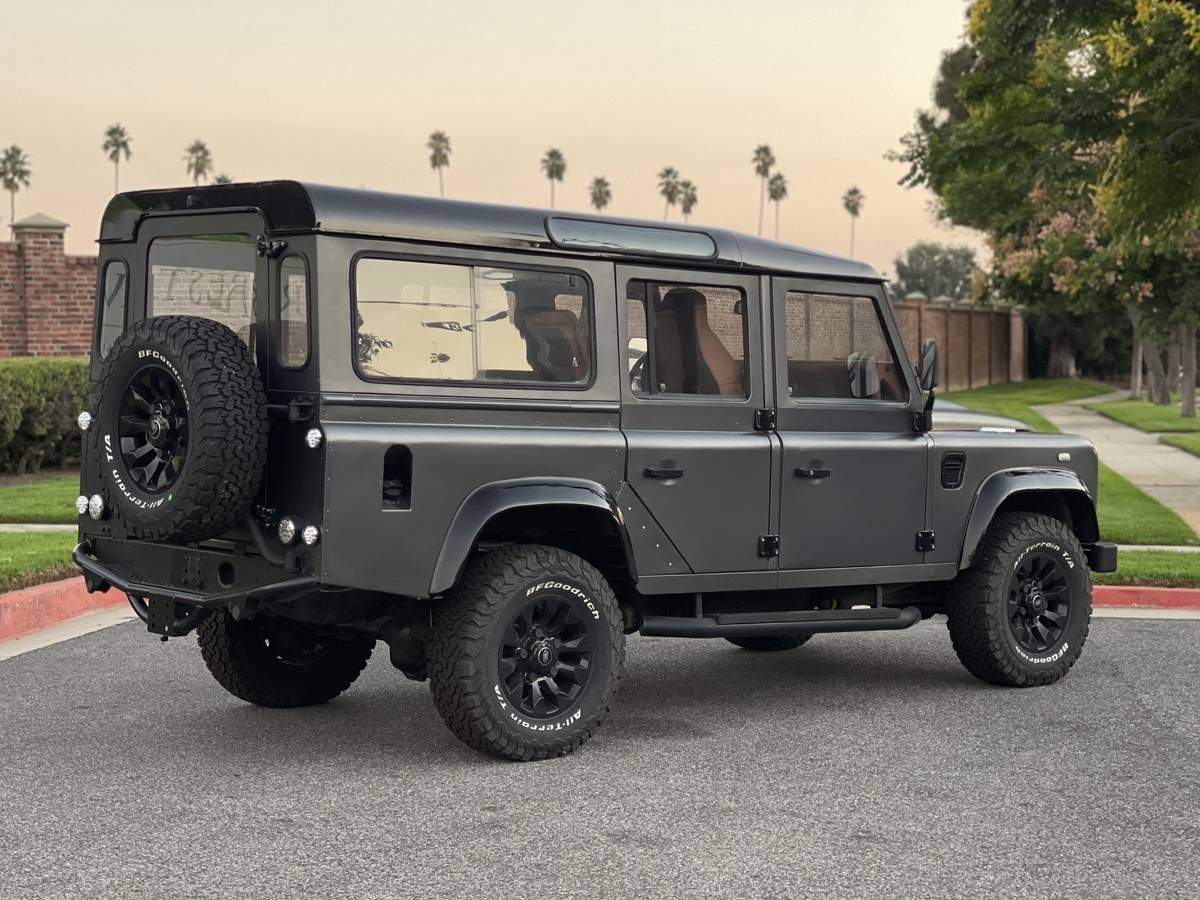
46,297
977,345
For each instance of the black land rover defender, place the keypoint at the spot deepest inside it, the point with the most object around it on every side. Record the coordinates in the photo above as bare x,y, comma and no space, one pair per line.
499,440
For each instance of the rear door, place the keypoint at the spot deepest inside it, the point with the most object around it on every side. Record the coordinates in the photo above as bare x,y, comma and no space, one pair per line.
694,376
854,469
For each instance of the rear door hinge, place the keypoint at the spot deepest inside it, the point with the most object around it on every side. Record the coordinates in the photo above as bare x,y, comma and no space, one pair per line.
264,246
768,545
764,419
925,541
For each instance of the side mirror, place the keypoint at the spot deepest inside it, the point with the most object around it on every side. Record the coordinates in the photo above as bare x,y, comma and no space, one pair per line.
927,371
864,375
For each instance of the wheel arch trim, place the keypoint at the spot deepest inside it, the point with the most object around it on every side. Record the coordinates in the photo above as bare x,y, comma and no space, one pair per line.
486,502
1001,486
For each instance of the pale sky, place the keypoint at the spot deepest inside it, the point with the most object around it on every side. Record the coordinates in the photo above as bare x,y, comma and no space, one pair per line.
348,93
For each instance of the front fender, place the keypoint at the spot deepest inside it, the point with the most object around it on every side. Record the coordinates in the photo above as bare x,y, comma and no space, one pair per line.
1000,486
489,500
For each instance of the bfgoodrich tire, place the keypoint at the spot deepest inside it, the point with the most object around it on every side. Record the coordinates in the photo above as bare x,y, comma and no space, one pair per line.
279,663
770,643
181,421
1019,616
526,653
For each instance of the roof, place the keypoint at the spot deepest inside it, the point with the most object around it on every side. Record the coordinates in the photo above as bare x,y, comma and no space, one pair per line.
40,222
290,206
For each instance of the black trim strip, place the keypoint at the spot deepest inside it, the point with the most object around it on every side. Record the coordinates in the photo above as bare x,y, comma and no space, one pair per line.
439,402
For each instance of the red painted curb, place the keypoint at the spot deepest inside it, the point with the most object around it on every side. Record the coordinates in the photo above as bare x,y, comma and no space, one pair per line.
1145,597
32,609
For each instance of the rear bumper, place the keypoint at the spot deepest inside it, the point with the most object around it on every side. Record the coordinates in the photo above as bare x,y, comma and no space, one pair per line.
201,578
1101,556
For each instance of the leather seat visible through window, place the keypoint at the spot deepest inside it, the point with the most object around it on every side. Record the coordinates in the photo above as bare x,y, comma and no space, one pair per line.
554,346
689,357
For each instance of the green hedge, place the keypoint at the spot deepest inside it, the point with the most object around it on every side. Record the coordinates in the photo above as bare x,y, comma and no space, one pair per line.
39,401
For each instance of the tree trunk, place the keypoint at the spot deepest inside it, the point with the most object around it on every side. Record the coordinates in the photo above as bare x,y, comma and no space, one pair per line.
762,201
1061,363
1187,388
1174,358
777,220
1156,373
1135,370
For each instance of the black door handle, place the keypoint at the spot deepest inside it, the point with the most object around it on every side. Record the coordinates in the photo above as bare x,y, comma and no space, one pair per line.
654,472
813,473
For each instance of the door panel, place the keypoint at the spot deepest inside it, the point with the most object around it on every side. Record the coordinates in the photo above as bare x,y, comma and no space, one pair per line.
854,471
691,345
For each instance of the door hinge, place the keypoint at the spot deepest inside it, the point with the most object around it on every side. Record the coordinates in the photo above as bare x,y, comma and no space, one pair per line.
768,545
925,541
764,419
268,248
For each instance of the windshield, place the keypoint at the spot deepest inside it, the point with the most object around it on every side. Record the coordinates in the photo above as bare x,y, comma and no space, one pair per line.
209,275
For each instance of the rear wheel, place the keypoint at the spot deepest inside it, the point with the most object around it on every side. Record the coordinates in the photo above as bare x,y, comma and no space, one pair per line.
277,662
1019,616
770,643
526,653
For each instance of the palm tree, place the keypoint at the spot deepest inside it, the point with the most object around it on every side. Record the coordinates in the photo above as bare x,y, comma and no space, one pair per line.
852,200
763,159
601,192
14,175
199,161
688,198
777,191
668,186
438,146
554,166
223,179
116,144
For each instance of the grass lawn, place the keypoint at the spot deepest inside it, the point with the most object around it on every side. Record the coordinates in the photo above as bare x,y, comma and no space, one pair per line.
1188,442
33,557
1127,515
1159,568
1146,416
45,501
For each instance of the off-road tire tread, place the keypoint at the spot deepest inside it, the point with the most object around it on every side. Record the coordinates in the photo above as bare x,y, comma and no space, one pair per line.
228,427
461,624
770,643
977,628
242,665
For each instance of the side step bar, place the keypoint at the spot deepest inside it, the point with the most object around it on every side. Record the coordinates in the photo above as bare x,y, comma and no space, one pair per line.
810,621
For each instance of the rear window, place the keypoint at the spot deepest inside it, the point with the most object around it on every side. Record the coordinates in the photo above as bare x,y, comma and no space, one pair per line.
211,276
448,322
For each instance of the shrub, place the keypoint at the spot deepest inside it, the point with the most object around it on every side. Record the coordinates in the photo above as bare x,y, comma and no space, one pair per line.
39,401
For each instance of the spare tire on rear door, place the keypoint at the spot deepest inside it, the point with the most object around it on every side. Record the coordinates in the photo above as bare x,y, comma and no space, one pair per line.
182,428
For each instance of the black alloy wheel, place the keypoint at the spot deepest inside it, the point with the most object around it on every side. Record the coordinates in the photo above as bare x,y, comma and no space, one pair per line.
546,656
1039,601
153,428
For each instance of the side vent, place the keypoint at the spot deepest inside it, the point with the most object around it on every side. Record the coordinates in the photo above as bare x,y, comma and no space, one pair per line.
954,466
397,478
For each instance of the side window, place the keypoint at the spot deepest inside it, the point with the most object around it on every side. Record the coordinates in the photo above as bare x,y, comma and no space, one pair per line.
112,304
837,348
686,339
494,325
292,339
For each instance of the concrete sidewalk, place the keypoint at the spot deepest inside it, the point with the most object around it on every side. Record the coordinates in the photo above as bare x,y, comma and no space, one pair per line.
1169,475
17,526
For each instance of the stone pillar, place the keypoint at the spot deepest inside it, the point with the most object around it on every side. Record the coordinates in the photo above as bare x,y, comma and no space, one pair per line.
55,292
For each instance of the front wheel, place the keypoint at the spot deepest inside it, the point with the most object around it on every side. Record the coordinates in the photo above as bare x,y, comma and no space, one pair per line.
1019,616
526,653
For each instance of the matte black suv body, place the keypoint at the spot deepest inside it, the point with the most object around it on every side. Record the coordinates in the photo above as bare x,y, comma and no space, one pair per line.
722,434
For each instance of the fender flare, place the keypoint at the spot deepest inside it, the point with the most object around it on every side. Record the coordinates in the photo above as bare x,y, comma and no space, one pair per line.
489,500
1000,486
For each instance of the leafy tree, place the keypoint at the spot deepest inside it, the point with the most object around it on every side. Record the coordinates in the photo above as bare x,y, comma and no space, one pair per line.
223,179
688,198
199,161
15,173
852,202
935,270
763,160
116,144
600,193
777,190
554,167
668,187
438,146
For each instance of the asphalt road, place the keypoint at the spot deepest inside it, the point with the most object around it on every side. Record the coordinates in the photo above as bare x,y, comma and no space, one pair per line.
858,765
